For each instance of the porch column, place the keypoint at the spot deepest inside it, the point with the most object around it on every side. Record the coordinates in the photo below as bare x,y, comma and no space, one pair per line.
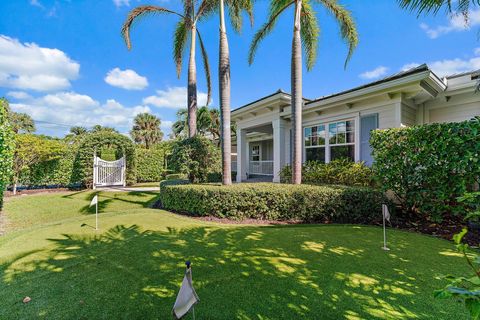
241,154
278,147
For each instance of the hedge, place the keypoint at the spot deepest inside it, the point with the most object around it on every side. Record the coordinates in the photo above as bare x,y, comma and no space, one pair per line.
6,149
340,171
151,162
428,167
269,201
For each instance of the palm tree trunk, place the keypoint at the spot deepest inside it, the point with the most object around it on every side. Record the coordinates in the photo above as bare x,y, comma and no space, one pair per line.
192,86
297,99
224,83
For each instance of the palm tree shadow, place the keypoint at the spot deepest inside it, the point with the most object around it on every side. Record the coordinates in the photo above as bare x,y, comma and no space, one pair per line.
238,273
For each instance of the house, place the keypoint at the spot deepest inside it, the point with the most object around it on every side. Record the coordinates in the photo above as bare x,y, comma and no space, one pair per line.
339,125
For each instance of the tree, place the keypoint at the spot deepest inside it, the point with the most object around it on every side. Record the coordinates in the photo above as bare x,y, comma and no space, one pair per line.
6,148
458,7
305,36
99,128
146,130
76,134
19,122
186,29
208,123
31,150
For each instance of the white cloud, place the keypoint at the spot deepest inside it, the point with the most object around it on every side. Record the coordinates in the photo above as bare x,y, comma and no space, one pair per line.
375,73
28,66
36,3
119,3
70,108
19,95
448,67
173,98
126,79
166,125
409,66
456,23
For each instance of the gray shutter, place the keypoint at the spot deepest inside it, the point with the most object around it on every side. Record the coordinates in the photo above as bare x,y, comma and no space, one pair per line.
367,124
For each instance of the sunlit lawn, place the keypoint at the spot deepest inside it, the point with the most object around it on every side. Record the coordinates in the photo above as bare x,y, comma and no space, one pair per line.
132,268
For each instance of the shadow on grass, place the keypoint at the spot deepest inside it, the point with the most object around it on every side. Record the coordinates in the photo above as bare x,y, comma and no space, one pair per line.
242,273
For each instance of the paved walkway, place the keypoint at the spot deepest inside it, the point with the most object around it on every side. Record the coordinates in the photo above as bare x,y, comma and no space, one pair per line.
129,189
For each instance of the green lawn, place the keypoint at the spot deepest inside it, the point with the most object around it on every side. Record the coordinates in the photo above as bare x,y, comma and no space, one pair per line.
132,268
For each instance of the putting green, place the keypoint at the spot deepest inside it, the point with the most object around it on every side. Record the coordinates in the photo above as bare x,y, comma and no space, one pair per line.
133,266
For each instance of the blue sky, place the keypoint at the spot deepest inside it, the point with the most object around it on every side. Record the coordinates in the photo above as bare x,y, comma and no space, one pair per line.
65,63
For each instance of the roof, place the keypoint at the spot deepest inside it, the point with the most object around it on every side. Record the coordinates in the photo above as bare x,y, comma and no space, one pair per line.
461,74
266,97
405,73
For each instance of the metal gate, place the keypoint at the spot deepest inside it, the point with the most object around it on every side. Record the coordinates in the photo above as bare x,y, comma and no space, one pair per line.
108,173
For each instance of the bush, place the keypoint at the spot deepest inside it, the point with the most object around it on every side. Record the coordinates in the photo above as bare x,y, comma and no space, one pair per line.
196,157
83,164
176,176
427,167
340,171
151,162
275,202
6,149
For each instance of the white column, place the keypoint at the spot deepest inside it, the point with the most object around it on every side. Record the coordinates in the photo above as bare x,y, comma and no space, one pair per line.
278,148
242,153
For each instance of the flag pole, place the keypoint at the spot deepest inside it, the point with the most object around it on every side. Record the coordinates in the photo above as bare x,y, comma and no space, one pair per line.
384,231
96,214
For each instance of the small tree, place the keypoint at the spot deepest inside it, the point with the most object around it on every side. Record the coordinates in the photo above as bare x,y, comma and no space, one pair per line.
196,157
6,149
31,150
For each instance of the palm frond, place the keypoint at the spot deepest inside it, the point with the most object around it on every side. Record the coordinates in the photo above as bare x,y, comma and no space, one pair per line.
348,29
206,66
138,13
179,44
309,32
206,9
424,6
276,8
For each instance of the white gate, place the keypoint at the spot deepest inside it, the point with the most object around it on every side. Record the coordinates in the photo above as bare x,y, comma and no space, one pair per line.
108,173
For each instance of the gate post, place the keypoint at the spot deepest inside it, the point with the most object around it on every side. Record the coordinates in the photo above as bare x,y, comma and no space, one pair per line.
95,168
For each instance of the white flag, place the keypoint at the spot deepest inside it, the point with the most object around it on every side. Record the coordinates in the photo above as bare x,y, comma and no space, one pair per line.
94,201
386,212
187,297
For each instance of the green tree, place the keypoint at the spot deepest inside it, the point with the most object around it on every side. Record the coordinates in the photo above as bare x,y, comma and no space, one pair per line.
76,134
460,7
31,150
208,123
146,130
305,36
186,29
6,148
19,122
99,128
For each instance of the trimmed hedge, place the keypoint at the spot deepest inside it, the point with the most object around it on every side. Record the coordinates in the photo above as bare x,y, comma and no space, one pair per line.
176,176
151,162
271,201
428,167
340,171
6,149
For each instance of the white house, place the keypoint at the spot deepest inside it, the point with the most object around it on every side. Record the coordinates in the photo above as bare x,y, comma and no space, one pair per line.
339,125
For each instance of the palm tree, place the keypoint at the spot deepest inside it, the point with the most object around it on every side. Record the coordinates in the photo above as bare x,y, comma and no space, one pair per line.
235,10
78,131
427,6
305,35
208,122
146,130
186,28
21,122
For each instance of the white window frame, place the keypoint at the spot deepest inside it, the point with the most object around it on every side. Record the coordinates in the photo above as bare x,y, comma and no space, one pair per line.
327,144
259,145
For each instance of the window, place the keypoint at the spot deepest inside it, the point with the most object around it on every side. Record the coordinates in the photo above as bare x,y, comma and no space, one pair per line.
255,153
330,141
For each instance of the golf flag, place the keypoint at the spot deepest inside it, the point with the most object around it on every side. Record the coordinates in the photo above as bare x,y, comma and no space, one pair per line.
94,201
386,212
187,297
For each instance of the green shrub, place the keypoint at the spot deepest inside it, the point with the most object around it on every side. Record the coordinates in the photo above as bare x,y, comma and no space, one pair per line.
83,163
340,171
275,202
214,177
196,157
151,162
6,149
427,167
176,176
